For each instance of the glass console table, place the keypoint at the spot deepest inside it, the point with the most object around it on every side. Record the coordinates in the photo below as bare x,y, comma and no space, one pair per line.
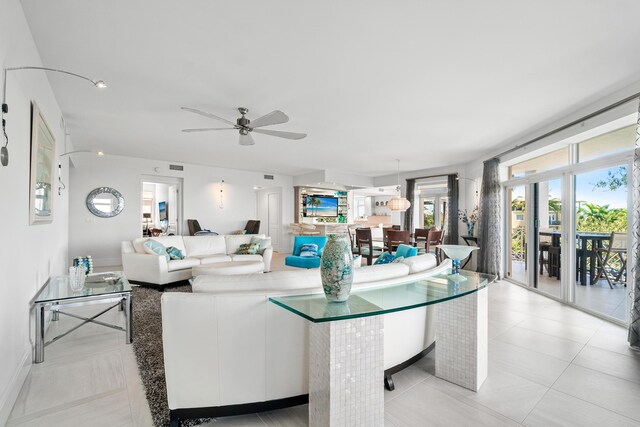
346,345
99,288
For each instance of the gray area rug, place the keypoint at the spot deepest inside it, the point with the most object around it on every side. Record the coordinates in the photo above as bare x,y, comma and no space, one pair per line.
147,346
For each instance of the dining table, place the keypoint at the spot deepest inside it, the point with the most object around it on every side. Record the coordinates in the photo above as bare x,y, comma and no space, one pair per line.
583,237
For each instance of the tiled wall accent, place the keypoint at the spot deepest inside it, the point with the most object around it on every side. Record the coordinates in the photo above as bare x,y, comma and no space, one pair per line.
346,373
462,341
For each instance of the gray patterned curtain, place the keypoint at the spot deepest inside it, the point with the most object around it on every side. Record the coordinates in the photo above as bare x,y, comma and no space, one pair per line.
451,238
489,221
634,258
408,214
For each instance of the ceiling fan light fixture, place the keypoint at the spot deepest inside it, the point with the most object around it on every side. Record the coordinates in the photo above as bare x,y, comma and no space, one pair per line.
100,84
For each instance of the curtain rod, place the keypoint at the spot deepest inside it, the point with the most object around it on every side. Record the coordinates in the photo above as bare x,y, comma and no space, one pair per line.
431,176
568,125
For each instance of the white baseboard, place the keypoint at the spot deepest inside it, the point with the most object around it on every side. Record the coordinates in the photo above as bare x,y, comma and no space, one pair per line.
15,385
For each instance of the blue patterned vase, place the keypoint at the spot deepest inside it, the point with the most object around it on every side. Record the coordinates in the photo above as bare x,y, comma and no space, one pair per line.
336,268
470,227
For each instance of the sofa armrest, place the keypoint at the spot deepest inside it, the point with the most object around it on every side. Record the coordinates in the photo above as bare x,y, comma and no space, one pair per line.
145,267
266,259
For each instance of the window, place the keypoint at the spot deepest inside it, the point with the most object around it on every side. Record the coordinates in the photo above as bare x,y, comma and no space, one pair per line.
617,141
519,217
542,163
360,212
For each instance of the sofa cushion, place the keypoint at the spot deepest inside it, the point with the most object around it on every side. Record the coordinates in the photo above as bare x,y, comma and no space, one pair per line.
406,251
175,241
153,247
210,259
309,250
263,243
285,281
302,261
420,263
175,253
385,258
301,240
233,242
247,249
255,257
181,264
204,245
376,273
138,244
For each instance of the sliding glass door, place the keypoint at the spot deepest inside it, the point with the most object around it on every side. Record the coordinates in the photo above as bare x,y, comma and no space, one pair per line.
546,245
517,234
601,241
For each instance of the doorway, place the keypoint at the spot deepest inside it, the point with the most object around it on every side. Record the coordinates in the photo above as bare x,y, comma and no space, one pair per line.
161,203
269,212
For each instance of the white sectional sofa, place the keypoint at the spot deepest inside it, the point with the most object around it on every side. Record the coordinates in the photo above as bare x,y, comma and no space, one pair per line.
141,267
228,350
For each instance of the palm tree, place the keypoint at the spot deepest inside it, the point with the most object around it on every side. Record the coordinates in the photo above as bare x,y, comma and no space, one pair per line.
314,203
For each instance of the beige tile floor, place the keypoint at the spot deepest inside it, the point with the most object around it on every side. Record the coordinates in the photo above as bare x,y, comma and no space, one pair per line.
549,365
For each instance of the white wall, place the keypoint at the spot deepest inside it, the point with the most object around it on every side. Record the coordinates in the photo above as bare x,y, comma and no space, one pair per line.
29,254
101,237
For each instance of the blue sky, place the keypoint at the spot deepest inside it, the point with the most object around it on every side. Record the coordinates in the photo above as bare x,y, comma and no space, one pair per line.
585,190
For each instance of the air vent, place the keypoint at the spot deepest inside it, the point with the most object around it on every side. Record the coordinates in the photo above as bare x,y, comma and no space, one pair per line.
176,167
268,177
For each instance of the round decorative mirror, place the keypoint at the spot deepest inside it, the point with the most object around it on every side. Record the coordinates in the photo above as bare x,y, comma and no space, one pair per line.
105,202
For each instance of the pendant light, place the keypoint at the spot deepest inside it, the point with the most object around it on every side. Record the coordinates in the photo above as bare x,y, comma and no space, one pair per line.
399,203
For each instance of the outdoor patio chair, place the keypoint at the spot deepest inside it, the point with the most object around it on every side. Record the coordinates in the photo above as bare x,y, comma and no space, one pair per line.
613,260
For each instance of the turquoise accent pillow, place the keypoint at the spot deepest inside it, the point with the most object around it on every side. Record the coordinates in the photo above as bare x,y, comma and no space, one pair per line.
175,253
155,248
385,258
262,243
406,251
309,250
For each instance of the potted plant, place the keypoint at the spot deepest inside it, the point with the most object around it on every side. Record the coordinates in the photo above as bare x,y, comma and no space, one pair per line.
469,219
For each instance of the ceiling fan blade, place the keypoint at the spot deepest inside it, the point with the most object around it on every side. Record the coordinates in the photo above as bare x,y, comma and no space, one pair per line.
205,129
281,134
246,139
273,118
211,116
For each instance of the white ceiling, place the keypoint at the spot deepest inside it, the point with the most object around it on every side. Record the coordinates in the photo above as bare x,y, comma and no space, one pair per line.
429,82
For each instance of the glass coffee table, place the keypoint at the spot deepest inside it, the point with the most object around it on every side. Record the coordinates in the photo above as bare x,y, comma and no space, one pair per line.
346,342
99,288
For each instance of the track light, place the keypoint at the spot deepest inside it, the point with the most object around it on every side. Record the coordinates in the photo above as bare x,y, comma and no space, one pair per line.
4,151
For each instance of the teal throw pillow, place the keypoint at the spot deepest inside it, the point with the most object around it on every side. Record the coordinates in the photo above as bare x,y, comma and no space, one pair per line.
175,253
385,258
262,243
247,249
309,250
155,248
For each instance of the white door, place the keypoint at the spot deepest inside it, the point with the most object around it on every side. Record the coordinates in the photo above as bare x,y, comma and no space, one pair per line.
269,207
274,221
173,210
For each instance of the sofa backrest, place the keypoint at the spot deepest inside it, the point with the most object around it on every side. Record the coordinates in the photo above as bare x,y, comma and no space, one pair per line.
306,280
303,240
205,245
175,241
420,263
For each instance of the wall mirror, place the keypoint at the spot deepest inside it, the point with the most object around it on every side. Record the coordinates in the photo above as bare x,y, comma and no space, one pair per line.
43,150
105,202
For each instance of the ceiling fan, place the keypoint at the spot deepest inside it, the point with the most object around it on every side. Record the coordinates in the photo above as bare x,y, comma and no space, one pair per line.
246,126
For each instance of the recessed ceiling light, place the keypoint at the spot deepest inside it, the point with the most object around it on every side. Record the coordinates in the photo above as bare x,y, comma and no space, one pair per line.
100,153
